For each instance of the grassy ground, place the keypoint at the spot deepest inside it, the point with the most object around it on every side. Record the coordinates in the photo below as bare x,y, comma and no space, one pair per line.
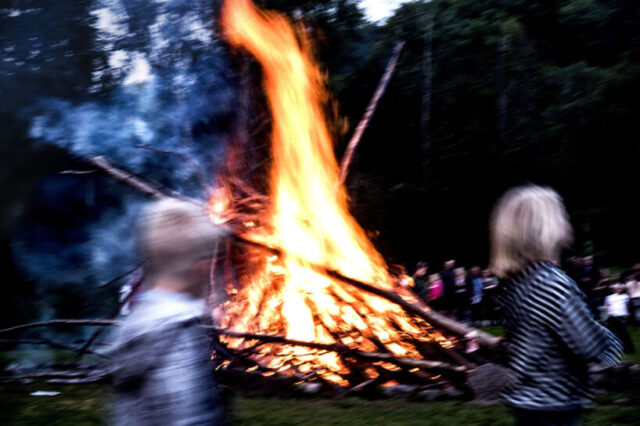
88,404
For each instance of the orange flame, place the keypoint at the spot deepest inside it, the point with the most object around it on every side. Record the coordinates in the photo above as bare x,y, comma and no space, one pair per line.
309,219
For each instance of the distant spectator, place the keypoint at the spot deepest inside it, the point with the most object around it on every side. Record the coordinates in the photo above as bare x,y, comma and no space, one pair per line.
403,279
617,307
421,280
633,288
599,292
489,288
617,303
461,294
449,282
435,291
574,268
589,276
476,289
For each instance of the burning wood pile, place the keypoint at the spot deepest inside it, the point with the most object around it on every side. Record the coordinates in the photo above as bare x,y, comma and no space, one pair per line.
335,330
303,297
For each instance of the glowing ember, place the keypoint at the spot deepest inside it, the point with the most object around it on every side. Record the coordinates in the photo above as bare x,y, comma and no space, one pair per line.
309,219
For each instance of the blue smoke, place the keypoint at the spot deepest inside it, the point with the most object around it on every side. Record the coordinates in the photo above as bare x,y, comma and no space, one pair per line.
164,83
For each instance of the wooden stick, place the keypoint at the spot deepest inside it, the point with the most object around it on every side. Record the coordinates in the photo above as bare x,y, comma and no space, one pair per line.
202,177
368,113
61,322
434,318
148,187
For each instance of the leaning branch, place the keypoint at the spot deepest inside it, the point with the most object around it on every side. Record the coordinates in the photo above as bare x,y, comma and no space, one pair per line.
148,187
373,103
434,318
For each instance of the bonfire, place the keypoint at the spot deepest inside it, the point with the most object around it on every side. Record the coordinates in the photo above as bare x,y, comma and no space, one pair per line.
300,296
306,216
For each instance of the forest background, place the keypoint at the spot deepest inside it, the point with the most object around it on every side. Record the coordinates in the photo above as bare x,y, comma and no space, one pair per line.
487,94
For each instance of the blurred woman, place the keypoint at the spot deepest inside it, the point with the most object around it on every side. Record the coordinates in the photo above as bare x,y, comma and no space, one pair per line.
549,332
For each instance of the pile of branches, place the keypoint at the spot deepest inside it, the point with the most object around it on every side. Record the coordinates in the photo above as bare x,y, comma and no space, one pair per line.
441,367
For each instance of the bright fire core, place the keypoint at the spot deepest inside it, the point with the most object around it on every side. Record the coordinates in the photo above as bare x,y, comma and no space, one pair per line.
308,218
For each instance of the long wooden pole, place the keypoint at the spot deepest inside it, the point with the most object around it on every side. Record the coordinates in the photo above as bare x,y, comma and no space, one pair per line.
368,113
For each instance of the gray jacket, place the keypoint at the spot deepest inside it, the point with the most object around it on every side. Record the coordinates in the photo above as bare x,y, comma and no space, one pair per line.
160,365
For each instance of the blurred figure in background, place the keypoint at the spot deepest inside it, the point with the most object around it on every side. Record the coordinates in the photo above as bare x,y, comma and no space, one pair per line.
161,369
633,288
421,280
589,276
550,334
403,279
448,285
599,292
489,288
476,288
617,308
461,294
435,291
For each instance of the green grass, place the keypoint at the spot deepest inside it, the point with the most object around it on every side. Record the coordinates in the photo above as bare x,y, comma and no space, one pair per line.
634,331
88,405
353,411
76,405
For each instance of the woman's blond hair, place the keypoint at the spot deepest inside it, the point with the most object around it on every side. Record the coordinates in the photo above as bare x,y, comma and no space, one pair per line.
528,224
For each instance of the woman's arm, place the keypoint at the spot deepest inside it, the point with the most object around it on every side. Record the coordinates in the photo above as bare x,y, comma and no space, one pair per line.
584,336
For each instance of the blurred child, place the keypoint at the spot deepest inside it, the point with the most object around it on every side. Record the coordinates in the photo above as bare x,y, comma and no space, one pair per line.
160,361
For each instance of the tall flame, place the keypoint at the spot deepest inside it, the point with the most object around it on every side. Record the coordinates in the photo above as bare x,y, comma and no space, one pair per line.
309,216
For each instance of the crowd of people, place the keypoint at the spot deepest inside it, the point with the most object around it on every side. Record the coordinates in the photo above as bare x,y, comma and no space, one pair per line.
468,293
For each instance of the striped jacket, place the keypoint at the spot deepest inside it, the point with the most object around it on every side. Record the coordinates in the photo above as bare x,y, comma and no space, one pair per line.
551,337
